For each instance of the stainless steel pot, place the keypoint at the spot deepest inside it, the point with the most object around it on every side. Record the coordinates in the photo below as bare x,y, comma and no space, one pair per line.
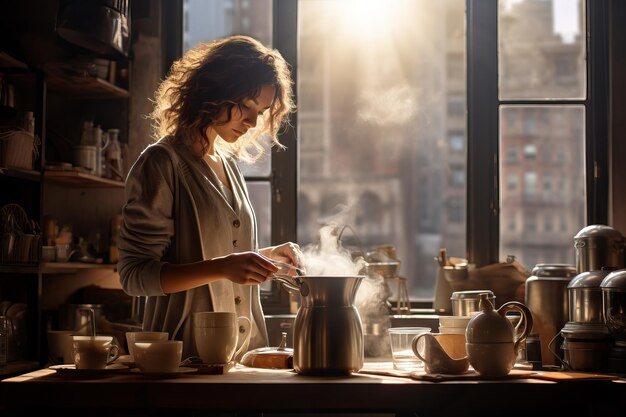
598,246
76,317
613,289
328,333
585,297
464,303
546,297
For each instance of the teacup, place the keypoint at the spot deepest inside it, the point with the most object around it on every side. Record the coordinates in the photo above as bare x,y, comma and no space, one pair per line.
60,349
93,352
442,353
134,337
158,356
216,336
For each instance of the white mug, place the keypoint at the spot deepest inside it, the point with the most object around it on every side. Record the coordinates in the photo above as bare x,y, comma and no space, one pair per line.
94,352
216,336
60,346
133,337
158,356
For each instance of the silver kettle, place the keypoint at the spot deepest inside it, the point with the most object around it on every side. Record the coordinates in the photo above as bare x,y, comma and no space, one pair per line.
328,333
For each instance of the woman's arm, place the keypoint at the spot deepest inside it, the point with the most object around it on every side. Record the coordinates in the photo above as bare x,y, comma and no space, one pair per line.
246,268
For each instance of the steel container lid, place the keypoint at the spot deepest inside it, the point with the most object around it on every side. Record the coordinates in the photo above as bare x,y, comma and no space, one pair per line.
616,280
589,279
585,331
471,294
598,232
554,271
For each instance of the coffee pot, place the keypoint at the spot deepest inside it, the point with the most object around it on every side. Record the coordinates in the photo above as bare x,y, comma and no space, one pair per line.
328,333
492,342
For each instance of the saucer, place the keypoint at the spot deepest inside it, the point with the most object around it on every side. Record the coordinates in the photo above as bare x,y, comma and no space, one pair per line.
125,360
180,371
70,370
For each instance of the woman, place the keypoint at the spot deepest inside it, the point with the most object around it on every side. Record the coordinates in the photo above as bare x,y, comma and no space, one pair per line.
189,236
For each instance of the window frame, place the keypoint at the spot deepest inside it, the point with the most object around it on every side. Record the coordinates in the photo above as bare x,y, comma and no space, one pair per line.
483,220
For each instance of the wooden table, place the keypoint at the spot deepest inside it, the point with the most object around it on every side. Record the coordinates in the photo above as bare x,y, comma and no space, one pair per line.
248,391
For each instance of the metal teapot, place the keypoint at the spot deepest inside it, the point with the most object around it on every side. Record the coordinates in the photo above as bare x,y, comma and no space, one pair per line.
328,333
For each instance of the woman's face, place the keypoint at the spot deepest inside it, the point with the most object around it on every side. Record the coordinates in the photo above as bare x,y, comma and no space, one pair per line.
244,117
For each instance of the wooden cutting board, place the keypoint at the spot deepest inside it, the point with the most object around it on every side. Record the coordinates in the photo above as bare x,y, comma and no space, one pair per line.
572,376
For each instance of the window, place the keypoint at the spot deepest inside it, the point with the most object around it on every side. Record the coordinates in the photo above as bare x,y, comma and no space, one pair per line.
543,67
456,141
511,153
511,181
385,115
530,151
383,110
530,183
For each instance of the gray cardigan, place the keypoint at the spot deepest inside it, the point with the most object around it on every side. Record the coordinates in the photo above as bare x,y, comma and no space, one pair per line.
175,213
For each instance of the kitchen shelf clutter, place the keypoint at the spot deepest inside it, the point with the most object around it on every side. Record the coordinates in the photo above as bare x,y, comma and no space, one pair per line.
43,175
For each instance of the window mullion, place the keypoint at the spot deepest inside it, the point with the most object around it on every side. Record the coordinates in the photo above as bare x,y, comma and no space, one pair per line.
284,163
482,131
597,133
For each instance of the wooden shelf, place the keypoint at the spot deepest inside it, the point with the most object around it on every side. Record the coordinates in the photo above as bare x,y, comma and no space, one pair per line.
19,269
81,179
7,62
60,267
85,87
24,174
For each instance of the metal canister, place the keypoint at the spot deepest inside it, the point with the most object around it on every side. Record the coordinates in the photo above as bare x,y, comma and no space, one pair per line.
585,297
598,246
546,297
464,303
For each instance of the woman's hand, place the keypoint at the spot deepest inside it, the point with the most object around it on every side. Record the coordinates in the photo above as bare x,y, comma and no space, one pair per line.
245,268
288,252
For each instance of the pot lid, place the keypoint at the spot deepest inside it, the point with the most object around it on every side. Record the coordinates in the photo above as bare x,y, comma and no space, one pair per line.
279,357
473,294
616,280
598,231
589,279
574,330
554,270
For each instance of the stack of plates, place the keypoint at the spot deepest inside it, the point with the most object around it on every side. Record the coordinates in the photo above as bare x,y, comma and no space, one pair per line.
453,324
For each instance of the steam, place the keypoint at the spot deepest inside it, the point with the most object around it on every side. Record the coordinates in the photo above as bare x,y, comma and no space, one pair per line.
329,257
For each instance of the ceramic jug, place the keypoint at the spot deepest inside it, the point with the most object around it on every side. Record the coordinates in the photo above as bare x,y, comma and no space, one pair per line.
492,342
328,333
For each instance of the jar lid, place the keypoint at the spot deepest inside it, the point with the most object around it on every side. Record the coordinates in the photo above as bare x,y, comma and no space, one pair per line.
598,231
585,331
554,270
589,279
616,279
471,294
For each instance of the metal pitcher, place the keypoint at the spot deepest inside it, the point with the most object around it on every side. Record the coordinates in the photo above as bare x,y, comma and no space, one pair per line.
328,333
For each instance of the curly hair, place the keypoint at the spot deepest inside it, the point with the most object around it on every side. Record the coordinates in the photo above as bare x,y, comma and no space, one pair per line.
217,75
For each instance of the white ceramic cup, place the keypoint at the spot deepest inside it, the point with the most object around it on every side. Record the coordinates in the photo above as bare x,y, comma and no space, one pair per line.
94,352
60,349
216,336
134,337
158,356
